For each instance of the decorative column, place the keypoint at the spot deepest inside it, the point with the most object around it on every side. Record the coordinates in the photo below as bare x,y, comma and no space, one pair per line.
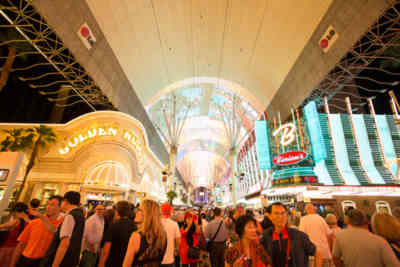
232,160
174,125
173,150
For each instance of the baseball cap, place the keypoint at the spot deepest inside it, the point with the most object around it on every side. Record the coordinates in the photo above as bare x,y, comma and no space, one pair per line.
166,209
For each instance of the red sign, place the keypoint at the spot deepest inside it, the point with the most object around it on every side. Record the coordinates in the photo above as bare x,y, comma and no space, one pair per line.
86,35
328,39
289,158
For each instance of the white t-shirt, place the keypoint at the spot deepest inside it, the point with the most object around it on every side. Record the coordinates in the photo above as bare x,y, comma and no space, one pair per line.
173,232
317,230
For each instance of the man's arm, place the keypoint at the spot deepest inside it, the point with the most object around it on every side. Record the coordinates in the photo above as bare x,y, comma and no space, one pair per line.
302,226
10,224
104,254
388,256
207,232
177,242
46,221
318,259
61,250
90,234
311,250
337,254
17,253
329,234
331,238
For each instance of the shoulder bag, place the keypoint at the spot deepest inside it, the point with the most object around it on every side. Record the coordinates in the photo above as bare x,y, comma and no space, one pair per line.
209,243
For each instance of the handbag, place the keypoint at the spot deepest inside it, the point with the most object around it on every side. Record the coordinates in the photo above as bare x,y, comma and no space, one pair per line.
209,243
89,259
3,236
194,253
202,241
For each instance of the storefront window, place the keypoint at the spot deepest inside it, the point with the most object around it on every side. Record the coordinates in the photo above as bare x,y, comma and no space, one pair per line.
382,207
348,204
48,190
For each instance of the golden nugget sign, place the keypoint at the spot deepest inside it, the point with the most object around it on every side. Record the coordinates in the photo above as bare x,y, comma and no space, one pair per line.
99,132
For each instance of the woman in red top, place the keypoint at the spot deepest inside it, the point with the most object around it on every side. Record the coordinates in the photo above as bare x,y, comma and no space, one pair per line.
190,233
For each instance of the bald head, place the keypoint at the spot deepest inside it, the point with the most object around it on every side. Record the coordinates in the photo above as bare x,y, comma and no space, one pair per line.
100,210
310,209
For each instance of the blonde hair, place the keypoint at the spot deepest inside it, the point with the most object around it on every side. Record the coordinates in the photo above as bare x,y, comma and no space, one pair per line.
386,226
151,227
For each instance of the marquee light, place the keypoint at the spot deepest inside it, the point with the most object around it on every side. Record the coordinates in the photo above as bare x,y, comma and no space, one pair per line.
289,133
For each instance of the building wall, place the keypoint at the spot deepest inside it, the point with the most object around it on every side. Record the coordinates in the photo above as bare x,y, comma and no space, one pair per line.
366,203
65,17
68,170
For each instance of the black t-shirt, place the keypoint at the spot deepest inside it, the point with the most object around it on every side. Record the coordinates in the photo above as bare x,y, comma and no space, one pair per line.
181,224
118,234
266,223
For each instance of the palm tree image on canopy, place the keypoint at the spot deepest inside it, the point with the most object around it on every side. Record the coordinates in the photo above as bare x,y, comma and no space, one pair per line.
171,195
28,140
231,115
175,110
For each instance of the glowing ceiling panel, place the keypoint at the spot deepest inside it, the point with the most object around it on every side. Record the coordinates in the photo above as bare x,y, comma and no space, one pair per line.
207,112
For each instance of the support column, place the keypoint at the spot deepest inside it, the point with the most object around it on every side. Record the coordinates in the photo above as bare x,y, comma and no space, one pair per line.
172,159
36,189
232,160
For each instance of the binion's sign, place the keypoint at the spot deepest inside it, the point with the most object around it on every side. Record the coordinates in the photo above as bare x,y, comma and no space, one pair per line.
288,134
290,158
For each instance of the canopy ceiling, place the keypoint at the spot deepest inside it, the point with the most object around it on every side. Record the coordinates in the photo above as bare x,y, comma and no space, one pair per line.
253,43
203,49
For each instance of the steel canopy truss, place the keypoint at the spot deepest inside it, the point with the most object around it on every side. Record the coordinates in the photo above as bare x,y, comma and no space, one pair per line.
66,75
384,34
175,110
232,121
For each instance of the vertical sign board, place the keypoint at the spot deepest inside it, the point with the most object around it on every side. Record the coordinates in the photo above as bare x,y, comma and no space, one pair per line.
86,36
262,145
315,132
328,39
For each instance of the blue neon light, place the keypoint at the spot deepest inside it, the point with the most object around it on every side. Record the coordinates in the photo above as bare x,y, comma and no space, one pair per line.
386,141
315,132
341,154
262,145
365,149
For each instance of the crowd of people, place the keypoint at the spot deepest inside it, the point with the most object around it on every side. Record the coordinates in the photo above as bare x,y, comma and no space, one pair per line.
151,234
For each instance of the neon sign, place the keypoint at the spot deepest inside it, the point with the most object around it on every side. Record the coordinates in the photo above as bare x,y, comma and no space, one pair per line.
99,132
290,158
289,133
